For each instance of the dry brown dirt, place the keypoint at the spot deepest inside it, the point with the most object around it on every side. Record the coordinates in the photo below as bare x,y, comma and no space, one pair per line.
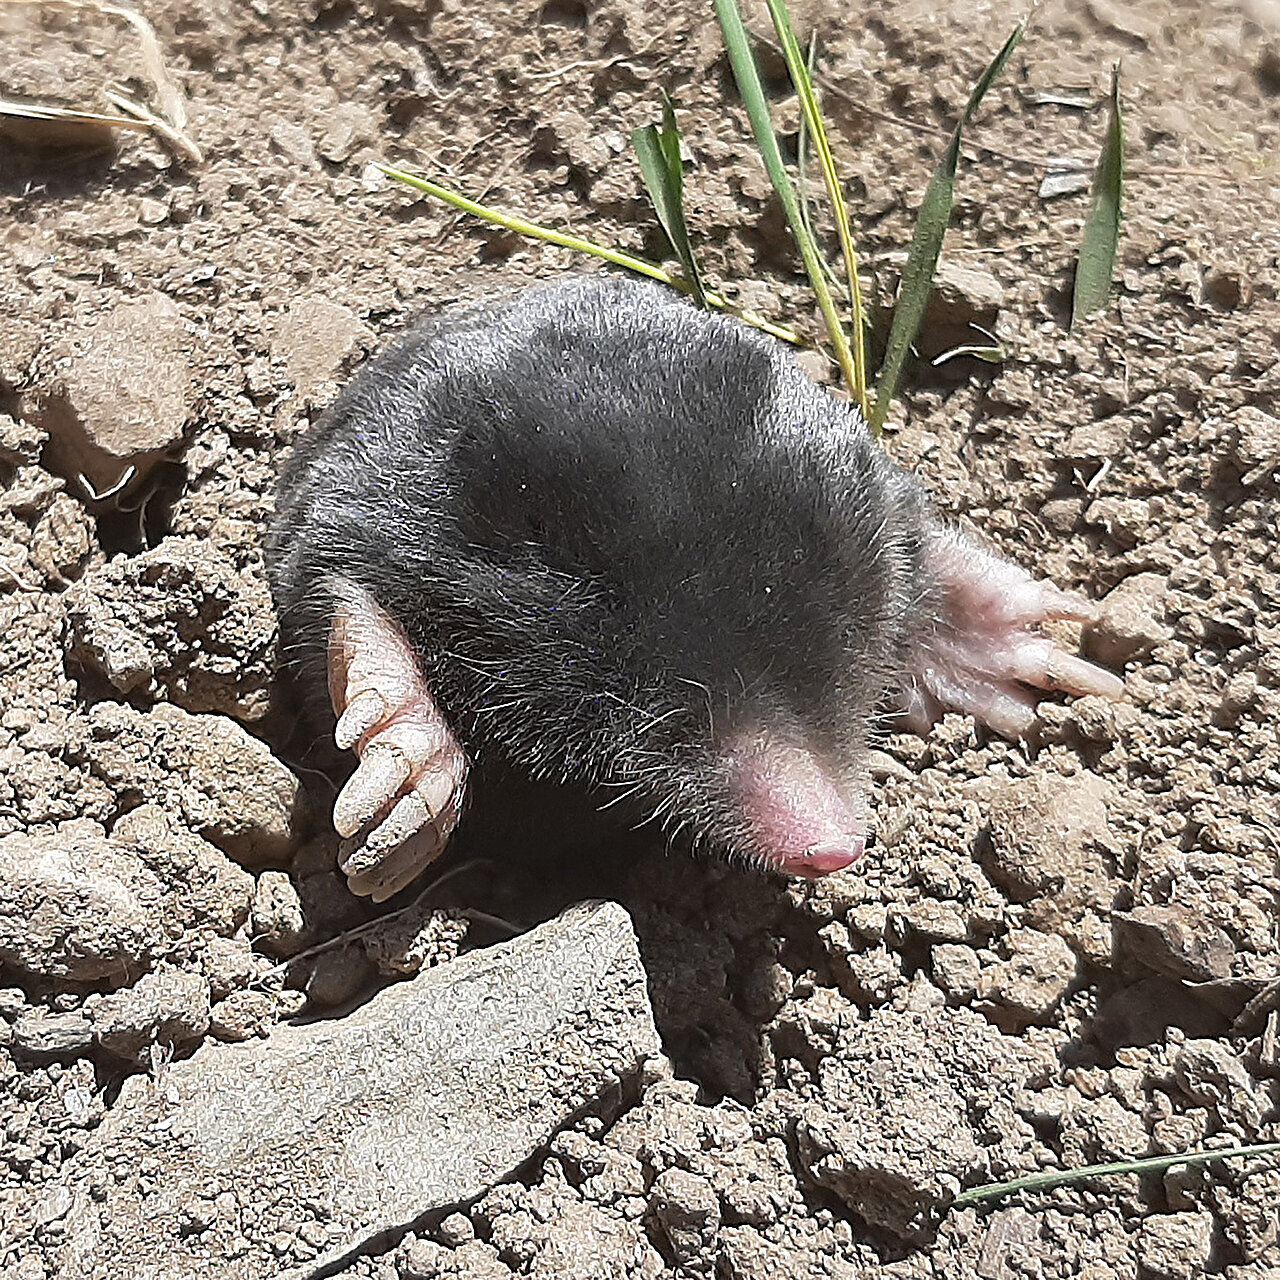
1060,952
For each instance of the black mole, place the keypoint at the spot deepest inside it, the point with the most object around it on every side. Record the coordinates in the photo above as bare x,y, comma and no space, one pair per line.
591,535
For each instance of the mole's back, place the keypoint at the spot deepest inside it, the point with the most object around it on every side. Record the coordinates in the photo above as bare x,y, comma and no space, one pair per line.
594,493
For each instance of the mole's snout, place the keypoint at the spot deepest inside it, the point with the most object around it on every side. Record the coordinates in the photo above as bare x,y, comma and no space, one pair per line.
823,859
804,820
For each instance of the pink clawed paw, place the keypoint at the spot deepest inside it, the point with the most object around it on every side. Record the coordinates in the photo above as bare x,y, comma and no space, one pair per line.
400,806
985,655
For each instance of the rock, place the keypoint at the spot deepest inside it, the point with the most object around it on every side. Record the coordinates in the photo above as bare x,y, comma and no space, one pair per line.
347,126
584,1241
1210,1074
1062,181
179,622
1037,973
1009,1233
226,785
1044,834
955,970
293,143
433,1091
242,1015
317,340
686,1208
57,1204
1127,521
44,1034
1128,624
892,1137
457,1229
1102,1129
32,667
169,1007
204,891
937,921
962,297
74,906
337,976
77,905
1173,940
1175,1246
115,394
1256,448
21,441
12,1002
64,540
747,1255
414,939
424,1260
277,921
227,964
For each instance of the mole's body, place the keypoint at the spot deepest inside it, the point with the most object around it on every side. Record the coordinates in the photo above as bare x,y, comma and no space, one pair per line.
590,534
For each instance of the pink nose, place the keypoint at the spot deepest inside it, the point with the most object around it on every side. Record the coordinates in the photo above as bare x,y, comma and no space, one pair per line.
823,859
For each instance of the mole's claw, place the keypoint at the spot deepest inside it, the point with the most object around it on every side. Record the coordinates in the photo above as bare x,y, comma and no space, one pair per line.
382,771
1064,604
408,815
367,709
402,803
1042,663
384,877
1008,710
1009,714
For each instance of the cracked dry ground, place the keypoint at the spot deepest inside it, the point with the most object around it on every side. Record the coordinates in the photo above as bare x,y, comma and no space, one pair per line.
1058,953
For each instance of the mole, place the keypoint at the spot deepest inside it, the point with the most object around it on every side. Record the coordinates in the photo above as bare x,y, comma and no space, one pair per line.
593,537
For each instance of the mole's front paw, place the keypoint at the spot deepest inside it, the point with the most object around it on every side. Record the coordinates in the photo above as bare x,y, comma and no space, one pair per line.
399,808
984,654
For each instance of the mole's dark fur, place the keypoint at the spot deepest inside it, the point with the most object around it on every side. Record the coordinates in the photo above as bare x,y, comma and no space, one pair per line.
618,531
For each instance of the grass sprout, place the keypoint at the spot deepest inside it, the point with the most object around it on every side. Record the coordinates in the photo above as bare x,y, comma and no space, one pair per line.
658,150
802,80
802,166
661,166
926,243
1101,234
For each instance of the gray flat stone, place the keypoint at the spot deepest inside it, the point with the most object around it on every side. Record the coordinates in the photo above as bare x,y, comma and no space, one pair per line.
276,1158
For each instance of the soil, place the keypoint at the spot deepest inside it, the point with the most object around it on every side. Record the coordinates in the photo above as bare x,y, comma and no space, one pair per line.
1059,952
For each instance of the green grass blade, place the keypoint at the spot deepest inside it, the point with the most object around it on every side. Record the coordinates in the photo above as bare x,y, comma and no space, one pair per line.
926,244
1096,265
641,266
917,279
803,82
994,68
802,171
658,151
1148,1164
747,76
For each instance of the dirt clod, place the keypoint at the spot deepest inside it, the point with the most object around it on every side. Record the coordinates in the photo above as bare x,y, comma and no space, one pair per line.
179,622
114,395
76,906
1175,1246
168,1008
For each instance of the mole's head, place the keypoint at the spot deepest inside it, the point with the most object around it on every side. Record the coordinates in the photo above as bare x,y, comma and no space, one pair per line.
688,583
